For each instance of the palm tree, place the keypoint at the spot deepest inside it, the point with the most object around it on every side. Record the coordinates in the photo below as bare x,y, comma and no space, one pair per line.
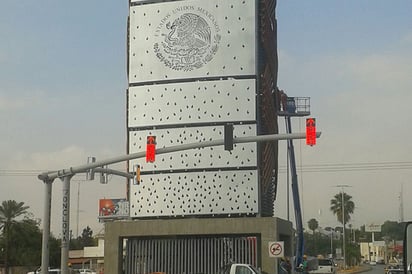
342,206
313,225
337,209
10,210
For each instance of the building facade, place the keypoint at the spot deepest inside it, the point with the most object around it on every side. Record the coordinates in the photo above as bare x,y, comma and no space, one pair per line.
195,66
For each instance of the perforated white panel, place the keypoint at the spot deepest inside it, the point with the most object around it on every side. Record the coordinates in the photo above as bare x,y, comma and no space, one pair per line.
207,193
192,39
195,102
211,157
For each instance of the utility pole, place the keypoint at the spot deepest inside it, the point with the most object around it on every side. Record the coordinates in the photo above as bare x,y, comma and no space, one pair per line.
331,244
401,219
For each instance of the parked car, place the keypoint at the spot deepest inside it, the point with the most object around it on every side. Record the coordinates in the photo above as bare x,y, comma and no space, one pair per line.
395,271
51,271
37,271
86,271
326,266
392,268
239,268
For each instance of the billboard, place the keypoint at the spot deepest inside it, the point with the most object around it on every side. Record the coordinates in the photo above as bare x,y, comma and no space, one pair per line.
113,209
373,228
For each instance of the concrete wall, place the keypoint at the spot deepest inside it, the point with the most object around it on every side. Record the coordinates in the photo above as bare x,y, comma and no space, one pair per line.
268,228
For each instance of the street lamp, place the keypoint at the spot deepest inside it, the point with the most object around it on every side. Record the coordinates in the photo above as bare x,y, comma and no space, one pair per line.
331,243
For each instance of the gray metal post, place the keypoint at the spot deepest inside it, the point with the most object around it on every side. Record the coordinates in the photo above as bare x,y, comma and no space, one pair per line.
46,226
65,225
331,244
344,234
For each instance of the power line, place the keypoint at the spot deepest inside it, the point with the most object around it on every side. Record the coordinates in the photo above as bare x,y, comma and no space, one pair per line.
322,167
354,167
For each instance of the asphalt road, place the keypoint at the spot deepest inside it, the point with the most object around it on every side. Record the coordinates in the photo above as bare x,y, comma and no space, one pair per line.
377,269
365,268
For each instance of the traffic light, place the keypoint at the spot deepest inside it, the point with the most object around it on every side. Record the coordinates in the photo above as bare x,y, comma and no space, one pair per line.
136,172
228,137
150,149
311,131
90,172
104,176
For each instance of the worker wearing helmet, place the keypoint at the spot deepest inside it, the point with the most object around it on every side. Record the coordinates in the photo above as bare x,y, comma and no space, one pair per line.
305,264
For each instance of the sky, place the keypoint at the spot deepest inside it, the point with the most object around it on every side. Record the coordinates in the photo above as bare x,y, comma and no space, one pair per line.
62,99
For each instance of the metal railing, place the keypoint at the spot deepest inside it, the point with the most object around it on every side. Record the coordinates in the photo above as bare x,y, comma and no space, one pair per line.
195,255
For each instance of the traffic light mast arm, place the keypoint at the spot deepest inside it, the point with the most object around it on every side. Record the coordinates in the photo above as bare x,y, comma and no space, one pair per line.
66,174
51,175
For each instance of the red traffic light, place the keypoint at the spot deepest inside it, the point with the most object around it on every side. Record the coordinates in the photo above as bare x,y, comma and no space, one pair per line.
311,131
151,149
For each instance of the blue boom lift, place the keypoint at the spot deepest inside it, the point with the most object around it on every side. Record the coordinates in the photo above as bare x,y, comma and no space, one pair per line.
294,107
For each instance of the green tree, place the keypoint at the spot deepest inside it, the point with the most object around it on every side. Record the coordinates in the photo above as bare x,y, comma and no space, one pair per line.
393,230
55,252
313,225
342,206
10,211
337,209
353,256
26,249
86,239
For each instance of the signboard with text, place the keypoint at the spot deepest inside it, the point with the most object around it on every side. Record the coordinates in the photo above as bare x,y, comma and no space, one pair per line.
373,228
113,208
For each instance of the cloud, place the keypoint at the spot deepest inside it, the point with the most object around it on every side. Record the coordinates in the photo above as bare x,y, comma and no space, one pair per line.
407,39
362,105
68,156
352,87
8,103
25,186
18,98
386,73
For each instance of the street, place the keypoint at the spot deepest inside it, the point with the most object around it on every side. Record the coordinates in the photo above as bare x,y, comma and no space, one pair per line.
377,269
373,269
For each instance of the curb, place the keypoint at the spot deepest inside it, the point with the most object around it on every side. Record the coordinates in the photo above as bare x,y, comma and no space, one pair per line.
358,269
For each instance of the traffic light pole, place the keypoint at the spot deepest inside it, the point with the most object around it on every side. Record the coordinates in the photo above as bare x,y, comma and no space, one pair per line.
65,224
67,174
46,226
65,218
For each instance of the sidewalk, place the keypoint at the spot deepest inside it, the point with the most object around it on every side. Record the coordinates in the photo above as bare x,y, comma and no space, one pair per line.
355,269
